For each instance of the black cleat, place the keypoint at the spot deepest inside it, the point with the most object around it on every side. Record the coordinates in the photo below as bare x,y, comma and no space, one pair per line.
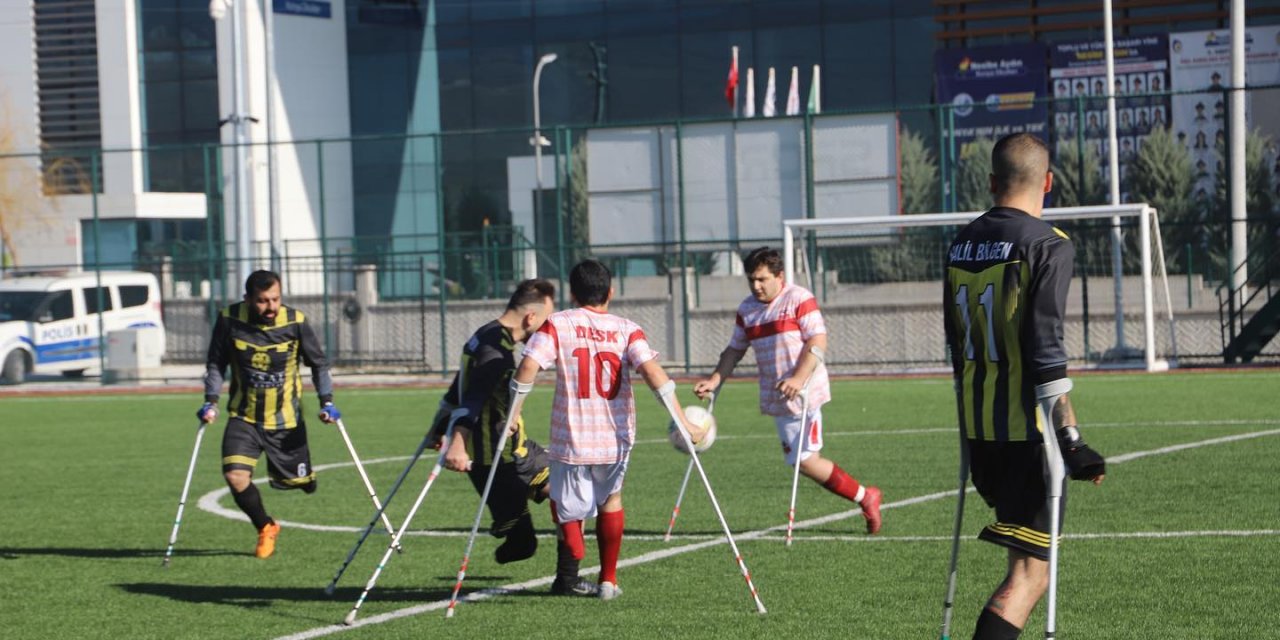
575,587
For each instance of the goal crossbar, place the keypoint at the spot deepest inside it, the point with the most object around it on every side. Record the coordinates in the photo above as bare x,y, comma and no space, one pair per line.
1145,214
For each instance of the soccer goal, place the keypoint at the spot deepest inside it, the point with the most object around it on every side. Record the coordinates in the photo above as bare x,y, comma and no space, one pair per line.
878,279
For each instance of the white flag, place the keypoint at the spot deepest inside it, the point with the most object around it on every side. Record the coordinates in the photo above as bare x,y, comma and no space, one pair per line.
769,109
749,107
793,96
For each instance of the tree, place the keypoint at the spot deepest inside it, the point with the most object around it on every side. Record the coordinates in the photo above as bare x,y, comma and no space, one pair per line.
1161,175
1260,205
1077,180
973,175
919,175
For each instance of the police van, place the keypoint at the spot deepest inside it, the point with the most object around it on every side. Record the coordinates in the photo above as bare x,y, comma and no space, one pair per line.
52,324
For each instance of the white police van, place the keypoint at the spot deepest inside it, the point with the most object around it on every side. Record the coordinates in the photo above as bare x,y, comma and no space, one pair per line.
50,324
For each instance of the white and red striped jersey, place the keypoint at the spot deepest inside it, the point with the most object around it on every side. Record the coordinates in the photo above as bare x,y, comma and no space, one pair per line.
593,417
776,332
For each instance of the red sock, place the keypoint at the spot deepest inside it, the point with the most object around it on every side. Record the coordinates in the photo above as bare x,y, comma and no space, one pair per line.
609,537
572,534
842,484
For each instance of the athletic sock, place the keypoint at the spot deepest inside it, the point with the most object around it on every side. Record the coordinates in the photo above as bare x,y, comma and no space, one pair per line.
250,502
609,537
992,627
566,564
843,485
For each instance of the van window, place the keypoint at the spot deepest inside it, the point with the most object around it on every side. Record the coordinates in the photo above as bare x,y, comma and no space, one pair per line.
133,295
20,305
91,299
58,306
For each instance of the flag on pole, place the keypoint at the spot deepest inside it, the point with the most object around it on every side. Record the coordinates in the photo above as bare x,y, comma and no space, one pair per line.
793,95
769,109
815,93
749,107
731,85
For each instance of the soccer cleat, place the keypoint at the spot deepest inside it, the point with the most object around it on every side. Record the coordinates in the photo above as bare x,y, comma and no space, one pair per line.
575,586
267,540
609,591
871,509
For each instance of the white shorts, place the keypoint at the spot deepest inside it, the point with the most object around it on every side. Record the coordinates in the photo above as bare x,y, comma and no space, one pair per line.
789,430
579,489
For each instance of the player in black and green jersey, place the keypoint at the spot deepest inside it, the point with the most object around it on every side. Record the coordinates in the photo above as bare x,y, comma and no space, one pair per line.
480,389
1007,275
264,343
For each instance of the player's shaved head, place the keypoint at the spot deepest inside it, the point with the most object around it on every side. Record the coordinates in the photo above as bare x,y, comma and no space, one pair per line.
530,293
1019,163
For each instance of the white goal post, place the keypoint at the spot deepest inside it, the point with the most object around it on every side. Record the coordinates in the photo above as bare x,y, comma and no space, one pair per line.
1148,227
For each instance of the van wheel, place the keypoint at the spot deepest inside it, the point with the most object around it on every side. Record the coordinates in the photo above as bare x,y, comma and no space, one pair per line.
73,373
15,368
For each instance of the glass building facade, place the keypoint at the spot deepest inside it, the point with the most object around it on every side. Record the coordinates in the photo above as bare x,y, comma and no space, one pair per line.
441,90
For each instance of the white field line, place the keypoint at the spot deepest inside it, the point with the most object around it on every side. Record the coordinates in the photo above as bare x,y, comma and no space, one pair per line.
759,534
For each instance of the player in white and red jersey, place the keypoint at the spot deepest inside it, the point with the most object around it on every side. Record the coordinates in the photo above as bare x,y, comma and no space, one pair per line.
593,422
782,323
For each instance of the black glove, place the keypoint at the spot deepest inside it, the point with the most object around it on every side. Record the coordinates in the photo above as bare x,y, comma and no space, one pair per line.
1082,462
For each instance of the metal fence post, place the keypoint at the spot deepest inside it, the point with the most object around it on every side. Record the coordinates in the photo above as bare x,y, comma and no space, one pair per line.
210,308
94,163
684,257
324,246
443,285
942,159
560,248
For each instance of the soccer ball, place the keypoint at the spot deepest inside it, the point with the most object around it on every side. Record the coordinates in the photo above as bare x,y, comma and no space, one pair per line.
701,417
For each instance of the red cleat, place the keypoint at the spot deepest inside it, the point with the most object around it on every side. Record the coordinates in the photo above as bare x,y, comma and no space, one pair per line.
871,509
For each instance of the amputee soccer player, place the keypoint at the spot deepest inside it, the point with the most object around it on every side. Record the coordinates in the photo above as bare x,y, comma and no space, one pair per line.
784,326
1007,278
263,342
593,423
488,361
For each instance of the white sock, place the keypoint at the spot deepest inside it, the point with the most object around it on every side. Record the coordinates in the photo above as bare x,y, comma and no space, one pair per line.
862,493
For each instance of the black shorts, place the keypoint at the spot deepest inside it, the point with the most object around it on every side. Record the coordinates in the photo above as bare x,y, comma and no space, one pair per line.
1010,477
288,457
514,484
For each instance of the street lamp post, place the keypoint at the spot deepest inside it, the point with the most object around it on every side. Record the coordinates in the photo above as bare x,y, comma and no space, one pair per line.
538,143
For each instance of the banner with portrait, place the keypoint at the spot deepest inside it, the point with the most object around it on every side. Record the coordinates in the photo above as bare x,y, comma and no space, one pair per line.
1078,75
1200,69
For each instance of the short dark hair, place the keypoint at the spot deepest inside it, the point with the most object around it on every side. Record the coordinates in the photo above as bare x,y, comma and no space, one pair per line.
589,282
260,281
763,256
529,292
1019,162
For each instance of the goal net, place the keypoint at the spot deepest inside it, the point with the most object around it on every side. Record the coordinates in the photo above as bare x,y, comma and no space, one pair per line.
879,282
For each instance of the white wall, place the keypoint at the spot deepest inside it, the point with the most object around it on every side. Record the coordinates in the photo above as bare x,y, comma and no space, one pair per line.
311,102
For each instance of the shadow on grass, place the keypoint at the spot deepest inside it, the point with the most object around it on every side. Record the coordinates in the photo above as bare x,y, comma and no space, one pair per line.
263,597
17,553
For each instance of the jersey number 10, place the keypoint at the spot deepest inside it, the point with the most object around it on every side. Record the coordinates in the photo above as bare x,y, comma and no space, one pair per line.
603,360
986,300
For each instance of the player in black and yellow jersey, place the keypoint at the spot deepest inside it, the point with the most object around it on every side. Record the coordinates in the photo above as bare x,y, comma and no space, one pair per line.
1007,275
264,343
480,390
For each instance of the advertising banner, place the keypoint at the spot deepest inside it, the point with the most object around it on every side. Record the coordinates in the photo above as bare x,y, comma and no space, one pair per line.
993,90
1200,62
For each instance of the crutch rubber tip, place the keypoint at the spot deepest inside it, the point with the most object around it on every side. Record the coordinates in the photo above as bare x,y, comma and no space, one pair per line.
350,619
328,591
164,564
448,613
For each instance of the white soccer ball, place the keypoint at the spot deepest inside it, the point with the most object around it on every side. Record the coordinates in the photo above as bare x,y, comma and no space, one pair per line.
701,417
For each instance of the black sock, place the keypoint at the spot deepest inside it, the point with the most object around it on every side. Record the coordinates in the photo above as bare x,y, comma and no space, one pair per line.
992,627
566,564
250,502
